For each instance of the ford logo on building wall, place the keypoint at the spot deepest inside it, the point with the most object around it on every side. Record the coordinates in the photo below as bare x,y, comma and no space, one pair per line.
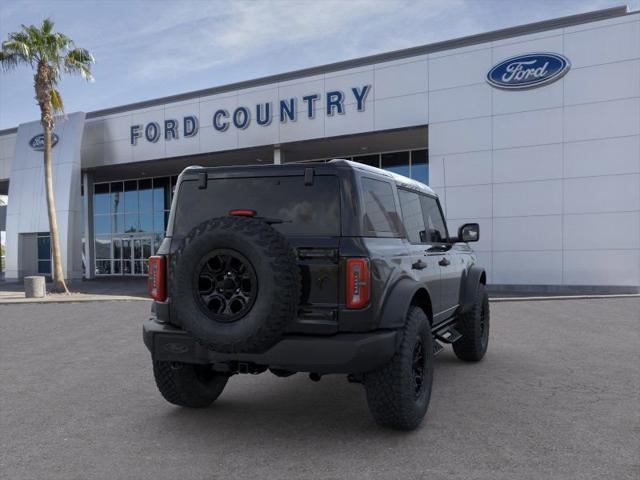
37,142
528,71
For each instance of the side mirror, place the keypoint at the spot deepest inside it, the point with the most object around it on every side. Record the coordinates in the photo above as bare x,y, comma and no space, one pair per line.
469,232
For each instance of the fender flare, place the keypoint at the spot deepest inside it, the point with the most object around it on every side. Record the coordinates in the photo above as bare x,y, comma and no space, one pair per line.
399,299
475,276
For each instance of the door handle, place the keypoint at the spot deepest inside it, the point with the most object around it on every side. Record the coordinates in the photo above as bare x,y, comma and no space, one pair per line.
444,262
419,265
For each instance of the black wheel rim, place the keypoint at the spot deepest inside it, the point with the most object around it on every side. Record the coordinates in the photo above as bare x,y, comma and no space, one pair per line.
418,369
225,285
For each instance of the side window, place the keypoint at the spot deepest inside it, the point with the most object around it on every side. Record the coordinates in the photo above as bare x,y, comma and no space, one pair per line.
436,228
412,216
380,215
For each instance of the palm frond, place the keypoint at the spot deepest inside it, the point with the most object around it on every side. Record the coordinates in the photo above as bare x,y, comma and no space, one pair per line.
79,61
9,61
56,101
18,46
47,26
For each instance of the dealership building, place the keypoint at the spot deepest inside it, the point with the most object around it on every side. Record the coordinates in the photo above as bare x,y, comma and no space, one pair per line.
532,131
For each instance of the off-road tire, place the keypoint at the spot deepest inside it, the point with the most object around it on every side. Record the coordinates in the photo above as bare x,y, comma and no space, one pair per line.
474,327
391,393
188,385
277,276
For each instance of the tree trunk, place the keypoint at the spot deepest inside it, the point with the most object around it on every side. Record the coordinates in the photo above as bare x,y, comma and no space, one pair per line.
59,284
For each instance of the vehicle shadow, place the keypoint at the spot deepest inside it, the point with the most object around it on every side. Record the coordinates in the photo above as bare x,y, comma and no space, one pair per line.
288,409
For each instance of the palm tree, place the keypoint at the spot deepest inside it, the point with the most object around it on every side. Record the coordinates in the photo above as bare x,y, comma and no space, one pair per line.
49,54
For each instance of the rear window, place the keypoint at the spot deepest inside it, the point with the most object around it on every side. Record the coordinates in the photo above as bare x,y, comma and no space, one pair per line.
304,209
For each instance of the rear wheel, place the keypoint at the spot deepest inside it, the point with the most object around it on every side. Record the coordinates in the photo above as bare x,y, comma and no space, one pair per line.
398,394
188,385
474,327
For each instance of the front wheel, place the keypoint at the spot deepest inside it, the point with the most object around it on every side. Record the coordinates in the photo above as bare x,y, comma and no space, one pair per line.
398,394
188,385
474,327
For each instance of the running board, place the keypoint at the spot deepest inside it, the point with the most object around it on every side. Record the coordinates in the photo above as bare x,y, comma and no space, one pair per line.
448,335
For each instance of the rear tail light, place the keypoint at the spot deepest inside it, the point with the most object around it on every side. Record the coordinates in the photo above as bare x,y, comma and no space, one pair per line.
157,278
358,282
242,212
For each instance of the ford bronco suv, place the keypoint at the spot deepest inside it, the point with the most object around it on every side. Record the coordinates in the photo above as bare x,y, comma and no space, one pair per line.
323,268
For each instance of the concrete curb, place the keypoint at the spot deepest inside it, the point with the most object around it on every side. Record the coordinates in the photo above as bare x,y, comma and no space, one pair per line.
114,298
72,299
561,297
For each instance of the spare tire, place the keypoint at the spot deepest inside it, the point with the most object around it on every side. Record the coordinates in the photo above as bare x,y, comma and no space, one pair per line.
235,284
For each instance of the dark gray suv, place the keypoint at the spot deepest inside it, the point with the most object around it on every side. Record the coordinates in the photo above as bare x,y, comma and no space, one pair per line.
323,268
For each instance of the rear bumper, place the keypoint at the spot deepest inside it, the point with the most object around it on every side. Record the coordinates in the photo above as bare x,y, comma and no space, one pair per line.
340,353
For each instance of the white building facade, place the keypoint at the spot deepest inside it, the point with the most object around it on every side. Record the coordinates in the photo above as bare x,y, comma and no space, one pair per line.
532,131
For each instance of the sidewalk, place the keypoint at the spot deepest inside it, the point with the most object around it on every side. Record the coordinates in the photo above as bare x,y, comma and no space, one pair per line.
103,289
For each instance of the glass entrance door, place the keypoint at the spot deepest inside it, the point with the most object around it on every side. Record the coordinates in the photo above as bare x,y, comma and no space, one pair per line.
131,255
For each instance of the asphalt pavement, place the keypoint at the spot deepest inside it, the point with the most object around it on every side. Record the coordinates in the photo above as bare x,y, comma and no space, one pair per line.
557,397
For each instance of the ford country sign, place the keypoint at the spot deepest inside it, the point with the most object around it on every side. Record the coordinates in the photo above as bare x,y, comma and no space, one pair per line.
37,142
528,71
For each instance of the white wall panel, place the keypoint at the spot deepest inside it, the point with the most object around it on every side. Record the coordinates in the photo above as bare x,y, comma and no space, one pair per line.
436,170
255,134
401,112
602,267
549,96
211,104
471,168
601,120
457,70
527,233
527,198
602,82
459,103
94,132
602,231
540,162
301,89
460,136
616,193
182,146
472,201
7,146
212,140
303,129
403,79
527,268
5,168
117,127
603,45
549,41
351,122
93,155
117,152
608,156
528,128
346,82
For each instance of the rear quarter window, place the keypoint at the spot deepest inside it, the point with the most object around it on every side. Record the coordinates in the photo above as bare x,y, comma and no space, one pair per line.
380,214
303,209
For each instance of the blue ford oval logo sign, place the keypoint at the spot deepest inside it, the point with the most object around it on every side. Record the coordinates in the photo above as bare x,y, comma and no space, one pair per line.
37,142
528,71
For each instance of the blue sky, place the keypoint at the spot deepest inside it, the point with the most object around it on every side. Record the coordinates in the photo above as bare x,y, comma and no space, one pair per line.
149,49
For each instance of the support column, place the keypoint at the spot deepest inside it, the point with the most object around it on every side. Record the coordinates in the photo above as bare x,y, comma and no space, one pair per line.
89,254
277,155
